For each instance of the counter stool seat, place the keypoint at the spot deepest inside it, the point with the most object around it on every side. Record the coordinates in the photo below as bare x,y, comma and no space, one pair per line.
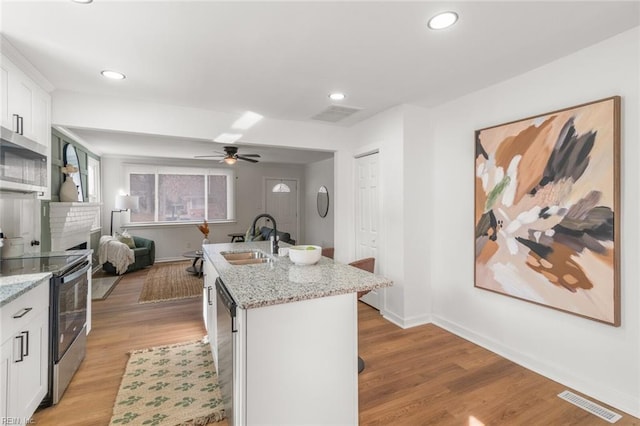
367,264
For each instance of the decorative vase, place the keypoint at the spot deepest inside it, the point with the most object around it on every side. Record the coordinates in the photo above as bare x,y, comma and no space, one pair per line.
68,190
205,241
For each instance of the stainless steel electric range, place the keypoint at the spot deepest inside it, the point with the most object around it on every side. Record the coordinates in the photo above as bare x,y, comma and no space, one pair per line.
69,287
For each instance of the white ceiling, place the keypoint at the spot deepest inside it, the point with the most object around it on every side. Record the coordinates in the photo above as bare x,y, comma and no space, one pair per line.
282,59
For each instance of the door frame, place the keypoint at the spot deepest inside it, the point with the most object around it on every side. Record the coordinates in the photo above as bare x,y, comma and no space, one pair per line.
380,254
264,201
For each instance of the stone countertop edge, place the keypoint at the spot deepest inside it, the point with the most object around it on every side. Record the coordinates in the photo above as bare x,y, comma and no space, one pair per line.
14,286
52,254
281,281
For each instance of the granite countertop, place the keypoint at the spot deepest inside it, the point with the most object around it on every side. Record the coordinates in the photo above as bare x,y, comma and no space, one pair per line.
14,286
281,281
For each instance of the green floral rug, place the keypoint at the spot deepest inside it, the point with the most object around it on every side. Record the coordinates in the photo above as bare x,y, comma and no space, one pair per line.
172,385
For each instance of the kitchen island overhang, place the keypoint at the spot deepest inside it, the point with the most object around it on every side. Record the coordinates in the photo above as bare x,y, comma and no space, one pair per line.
280,281
295,340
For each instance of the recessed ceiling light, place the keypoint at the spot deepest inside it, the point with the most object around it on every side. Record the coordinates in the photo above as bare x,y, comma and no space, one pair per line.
247,120
114,75
227,137
443,20
337,96
82,1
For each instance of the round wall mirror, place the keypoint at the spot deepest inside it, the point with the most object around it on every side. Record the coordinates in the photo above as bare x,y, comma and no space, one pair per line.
323,201
71,157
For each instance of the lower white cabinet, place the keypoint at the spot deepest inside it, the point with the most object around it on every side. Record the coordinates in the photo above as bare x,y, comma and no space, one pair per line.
24,353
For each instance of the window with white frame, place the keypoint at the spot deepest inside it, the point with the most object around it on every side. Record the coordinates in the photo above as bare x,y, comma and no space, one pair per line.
93,179
177,194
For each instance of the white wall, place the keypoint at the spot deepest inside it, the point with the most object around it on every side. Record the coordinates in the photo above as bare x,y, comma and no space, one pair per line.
111,113
384,133
318,230
419,182
173,240
597,359
401,135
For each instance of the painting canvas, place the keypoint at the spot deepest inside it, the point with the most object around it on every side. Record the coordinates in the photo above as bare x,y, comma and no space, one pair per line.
547,210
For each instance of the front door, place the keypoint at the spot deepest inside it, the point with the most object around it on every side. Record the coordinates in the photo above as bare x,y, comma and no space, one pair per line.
367,216
281,202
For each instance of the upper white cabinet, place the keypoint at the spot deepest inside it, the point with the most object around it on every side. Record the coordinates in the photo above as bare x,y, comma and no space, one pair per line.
26,107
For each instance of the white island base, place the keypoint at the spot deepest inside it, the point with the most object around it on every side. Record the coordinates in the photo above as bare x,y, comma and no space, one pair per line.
297,363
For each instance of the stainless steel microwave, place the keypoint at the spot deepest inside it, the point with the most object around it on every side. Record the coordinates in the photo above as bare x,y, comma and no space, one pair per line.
23,163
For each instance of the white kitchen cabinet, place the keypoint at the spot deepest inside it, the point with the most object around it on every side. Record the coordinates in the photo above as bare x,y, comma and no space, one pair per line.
24,353
209,305
25,108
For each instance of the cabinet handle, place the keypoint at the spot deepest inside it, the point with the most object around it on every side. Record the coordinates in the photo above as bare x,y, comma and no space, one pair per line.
26,335
22,313
16,123
209,295
21,122
21,337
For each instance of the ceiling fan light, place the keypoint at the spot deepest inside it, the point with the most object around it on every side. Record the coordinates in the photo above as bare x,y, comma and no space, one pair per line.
230,161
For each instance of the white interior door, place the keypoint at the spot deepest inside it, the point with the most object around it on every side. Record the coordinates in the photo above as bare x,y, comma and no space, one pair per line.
283,206
367,216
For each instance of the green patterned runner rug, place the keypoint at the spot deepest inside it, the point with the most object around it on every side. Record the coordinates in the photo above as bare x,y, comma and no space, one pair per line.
171,385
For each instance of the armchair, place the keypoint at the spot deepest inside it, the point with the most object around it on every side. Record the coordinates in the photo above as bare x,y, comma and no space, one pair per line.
144,254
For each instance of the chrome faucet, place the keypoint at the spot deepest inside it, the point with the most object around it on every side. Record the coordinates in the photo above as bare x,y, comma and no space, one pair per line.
274,242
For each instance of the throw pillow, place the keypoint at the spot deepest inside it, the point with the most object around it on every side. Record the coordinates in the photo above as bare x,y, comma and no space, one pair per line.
257,236
126,239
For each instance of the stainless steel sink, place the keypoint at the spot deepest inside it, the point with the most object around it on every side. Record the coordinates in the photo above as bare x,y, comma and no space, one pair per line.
245,257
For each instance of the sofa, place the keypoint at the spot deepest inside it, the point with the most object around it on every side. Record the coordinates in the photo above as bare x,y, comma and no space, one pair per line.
266,232
144,253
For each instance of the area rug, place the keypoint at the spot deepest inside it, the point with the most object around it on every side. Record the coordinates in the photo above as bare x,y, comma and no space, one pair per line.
102,284
170,281
170,385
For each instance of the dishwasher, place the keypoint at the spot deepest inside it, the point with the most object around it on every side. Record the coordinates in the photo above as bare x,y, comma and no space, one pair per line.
227,334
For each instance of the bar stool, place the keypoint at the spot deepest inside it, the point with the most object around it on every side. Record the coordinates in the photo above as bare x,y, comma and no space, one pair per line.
236,237
367,264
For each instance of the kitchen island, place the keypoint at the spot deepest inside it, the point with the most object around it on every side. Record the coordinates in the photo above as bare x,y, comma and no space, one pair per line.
289,354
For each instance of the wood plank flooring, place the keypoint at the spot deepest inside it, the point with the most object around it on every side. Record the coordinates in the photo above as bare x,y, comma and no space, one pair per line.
420,376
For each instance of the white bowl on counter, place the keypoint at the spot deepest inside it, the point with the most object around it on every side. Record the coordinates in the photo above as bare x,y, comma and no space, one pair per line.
305,254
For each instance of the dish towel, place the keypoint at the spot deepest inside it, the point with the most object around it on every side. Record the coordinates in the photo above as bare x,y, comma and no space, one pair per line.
115,252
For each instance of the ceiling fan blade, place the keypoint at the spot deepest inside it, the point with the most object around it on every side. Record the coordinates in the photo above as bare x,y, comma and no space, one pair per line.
240,157
208,156
251,155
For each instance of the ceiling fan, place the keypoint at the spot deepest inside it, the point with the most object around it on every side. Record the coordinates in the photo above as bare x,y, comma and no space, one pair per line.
230,155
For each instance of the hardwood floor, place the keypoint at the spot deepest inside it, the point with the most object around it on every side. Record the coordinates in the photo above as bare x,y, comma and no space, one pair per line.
420,376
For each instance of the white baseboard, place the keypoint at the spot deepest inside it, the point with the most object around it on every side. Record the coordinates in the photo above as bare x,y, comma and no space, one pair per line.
599,391
171,259
406,322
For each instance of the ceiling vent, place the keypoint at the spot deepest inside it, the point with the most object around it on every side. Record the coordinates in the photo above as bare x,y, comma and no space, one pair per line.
335,113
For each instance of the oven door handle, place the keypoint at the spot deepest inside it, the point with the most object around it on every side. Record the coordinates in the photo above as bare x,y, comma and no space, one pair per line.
76,274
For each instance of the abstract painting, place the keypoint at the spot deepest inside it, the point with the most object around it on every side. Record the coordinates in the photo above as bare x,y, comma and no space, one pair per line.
547,208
